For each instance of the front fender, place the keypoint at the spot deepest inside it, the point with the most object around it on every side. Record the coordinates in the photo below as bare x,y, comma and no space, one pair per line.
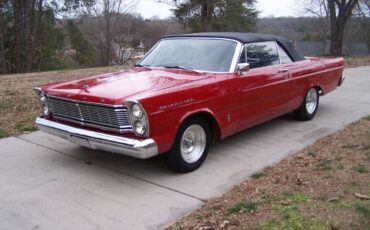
171,121
218,97
199,111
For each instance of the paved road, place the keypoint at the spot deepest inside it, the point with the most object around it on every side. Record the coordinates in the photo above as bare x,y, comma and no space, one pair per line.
48,183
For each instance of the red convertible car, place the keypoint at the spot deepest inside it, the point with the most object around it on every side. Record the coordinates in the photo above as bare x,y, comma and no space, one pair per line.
188,91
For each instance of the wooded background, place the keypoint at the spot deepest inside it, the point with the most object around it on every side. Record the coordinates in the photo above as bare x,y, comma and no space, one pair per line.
39,35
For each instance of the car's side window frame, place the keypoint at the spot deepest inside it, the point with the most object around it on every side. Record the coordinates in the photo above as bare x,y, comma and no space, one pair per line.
279,49
277,46
242,50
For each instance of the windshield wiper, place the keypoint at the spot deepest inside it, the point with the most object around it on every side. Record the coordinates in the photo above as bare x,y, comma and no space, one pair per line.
179,67
139,65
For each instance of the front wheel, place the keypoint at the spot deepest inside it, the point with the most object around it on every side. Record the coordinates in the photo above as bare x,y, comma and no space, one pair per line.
309,106
191,146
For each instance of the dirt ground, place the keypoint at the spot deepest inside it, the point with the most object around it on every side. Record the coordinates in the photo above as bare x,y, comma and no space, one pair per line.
18,103
324,186
355,61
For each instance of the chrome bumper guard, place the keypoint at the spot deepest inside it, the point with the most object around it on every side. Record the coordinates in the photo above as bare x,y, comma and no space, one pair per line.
341,80
94,140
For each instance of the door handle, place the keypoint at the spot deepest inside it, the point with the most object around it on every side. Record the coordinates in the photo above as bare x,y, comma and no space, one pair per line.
283,70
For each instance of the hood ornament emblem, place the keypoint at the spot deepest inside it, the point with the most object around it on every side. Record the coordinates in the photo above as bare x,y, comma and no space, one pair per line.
86,86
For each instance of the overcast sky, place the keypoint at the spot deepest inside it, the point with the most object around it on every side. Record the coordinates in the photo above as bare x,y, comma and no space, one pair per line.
151,8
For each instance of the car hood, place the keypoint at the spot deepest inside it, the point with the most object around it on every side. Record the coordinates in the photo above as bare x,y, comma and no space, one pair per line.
115,88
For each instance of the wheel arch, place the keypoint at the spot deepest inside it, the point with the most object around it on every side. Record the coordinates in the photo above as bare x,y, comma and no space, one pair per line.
319,89
317,86
207,115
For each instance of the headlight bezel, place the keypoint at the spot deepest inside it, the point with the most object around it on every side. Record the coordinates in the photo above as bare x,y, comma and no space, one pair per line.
42,98
44,106
137,119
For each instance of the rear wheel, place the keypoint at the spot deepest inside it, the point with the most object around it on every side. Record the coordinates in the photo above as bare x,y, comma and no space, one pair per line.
309,106
191,146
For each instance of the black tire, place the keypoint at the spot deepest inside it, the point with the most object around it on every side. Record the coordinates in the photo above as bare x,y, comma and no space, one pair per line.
175,159
306,112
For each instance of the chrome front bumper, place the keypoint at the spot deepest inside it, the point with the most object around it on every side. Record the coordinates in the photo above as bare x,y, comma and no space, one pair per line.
95,140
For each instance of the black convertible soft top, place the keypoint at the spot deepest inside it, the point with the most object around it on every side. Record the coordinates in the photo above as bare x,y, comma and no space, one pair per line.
285,43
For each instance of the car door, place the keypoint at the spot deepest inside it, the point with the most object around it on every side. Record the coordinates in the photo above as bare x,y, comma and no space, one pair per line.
265,90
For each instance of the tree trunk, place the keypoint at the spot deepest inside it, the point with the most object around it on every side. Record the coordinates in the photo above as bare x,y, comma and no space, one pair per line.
108,41
2,49
29,23
339,13
206,15
39,18
334,48
38,31
336,42
16,13
107,33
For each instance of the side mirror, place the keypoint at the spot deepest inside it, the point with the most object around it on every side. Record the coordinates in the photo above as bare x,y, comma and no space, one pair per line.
243,67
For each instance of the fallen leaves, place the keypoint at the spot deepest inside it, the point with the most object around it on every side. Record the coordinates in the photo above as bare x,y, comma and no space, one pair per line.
325,184
18,103
361,196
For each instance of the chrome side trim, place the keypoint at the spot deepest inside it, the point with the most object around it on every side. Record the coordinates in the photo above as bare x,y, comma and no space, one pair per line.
143,149
277,49
200,37
235,60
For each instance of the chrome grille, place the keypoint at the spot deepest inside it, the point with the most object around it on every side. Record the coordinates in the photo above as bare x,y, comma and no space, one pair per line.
99,116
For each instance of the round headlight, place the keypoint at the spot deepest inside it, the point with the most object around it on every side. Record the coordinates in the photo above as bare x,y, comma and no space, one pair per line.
42,98
45,109
140,128
137,111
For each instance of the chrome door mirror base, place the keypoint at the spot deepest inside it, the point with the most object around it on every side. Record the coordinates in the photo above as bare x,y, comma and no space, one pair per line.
242,67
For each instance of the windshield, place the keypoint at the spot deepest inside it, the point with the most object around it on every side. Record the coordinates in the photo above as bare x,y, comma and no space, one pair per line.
214,55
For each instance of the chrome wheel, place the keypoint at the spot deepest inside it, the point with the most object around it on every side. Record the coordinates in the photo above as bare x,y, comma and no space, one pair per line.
193,143
311,101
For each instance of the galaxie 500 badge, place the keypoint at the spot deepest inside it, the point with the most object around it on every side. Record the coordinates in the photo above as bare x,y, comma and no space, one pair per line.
176,104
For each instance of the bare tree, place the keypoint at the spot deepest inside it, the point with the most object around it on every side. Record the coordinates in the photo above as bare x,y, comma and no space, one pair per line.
107,12
363,16
339,12
319,9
